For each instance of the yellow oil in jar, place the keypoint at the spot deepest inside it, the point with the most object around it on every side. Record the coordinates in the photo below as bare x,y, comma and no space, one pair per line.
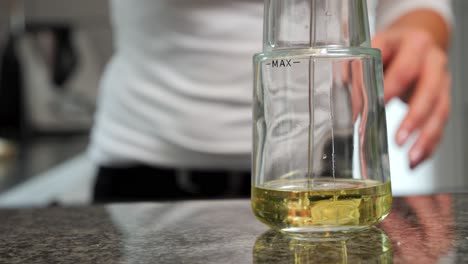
329,205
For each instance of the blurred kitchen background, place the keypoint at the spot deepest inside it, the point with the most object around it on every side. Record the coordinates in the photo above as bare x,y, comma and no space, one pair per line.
52,53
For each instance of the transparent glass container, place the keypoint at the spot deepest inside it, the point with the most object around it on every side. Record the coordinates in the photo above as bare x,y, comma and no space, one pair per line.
320,158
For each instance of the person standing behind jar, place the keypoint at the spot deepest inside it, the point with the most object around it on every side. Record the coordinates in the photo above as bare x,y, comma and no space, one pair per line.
174,110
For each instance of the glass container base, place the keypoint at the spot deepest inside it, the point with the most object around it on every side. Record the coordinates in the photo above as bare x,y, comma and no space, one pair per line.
303,207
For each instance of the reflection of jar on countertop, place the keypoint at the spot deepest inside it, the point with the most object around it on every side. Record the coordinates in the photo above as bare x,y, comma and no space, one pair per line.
369,246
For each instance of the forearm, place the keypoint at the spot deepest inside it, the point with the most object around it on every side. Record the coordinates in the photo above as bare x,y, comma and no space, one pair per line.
429,21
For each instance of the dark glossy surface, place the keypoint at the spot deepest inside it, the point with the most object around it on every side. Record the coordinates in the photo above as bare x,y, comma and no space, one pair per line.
37,155
423,229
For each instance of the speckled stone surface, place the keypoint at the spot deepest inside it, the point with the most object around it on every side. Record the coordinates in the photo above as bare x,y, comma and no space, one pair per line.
422,229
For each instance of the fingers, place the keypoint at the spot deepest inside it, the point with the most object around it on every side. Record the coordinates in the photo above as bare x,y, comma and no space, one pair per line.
386,44
432,131
351,76
415,71
407,65
357,88
428,90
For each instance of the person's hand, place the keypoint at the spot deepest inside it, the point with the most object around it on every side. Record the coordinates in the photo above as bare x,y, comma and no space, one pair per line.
416,71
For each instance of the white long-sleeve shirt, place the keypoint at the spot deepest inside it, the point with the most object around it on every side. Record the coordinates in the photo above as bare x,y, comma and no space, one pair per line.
178,90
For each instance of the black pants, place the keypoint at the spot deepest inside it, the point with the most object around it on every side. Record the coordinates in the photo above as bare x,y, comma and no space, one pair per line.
145,183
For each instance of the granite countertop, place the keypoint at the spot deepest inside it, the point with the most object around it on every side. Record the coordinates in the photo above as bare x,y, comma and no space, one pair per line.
420,229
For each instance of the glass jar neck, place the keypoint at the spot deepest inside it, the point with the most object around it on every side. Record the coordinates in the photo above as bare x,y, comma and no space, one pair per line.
299,24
